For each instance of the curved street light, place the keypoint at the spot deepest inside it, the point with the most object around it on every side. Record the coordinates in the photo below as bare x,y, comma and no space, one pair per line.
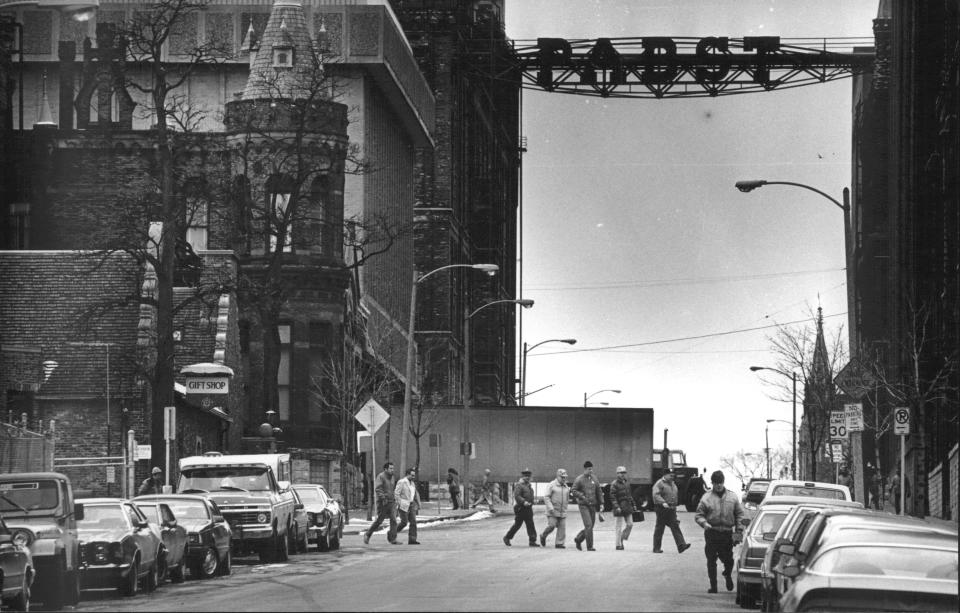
490,269
793,376
523,367
586,397
466,392
767,440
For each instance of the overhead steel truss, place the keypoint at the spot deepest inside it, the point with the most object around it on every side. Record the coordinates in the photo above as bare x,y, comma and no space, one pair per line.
670,67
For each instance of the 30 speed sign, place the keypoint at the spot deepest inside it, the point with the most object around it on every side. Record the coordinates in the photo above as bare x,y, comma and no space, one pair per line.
838,425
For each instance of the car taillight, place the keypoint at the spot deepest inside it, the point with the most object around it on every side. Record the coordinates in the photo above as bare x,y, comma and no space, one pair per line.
193,537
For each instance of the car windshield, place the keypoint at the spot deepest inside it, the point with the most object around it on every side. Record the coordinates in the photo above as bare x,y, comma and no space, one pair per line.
813,492
18,497
768,522
758,486
189,510
224,478
897,561
103,517
311,494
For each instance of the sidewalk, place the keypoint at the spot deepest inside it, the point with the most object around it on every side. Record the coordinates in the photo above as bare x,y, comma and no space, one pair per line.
429,514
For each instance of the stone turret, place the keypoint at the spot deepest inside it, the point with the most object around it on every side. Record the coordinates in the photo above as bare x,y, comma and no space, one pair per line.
286,65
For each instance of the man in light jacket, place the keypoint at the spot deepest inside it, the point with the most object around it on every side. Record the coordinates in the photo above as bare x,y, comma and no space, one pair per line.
408,499
589,497
556,502
720,514
665,506
623,506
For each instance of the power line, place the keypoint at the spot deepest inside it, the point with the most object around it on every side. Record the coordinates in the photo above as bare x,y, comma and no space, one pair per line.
687,338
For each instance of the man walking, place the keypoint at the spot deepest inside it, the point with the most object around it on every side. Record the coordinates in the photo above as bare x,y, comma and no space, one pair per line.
386,504
556,502
408,499
586,491
623,506
152,484
486,493
665,507
523,509
453,485
719,514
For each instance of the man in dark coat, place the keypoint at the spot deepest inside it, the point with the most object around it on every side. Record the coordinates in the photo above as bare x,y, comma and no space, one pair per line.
453,485
385,490
665,506
586,491
523,509
152,484
623,506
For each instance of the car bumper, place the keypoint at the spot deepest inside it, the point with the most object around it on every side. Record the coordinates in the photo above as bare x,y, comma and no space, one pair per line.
103,576
251,534
749,576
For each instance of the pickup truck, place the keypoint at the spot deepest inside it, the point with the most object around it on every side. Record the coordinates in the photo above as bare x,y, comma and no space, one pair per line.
254,496
42,505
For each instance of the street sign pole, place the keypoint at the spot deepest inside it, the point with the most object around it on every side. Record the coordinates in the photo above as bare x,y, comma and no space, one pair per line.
371,495
903,461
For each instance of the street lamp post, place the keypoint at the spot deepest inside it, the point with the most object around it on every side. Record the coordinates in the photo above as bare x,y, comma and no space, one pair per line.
523,373
793,376
467,391
766,449
586,397
769,421
411,348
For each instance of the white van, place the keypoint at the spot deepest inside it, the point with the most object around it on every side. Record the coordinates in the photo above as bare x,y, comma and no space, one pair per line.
254,495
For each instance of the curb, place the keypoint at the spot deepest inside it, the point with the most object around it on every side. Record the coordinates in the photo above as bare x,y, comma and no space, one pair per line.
358,527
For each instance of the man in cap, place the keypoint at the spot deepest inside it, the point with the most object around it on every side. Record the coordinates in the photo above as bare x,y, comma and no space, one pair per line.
589,496
623,506
665,507
719,514
152,484
523,509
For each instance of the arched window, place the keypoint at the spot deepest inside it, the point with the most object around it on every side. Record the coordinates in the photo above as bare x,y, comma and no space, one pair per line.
321,221
196,213
279,214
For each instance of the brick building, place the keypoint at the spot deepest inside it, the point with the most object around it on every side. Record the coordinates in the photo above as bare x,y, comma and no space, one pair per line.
341,265
906,221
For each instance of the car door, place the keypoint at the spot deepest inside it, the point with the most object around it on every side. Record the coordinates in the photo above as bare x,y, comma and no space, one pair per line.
145,536
13,560
174,535
221,529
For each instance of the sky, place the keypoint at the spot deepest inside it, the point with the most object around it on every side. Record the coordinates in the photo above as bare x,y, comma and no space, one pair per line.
634,233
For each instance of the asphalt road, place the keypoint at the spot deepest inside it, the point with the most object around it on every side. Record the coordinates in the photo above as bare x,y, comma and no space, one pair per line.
460,566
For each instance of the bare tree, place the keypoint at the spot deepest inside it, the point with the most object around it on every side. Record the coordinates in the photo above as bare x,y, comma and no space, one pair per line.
923,380
795,348
745,465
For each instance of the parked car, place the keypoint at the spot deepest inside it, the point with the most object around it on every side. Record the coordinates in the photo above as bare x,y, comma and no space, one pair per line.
174,537
809,489
325,515
16,567
43,505
208,533
118,547
875,562
756,538
300,530
753,494
795,523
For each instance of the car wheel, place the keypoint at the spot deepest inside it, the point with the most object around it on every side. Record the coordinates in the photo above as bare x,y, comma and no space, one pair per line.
208,566
163,568
335,540
304,544
226,565
73,587
744,599
152,580
130,585
323,542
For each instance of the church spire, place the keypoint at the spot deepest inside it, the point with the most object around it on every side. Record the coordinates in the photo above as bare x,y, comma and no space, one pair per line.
820,368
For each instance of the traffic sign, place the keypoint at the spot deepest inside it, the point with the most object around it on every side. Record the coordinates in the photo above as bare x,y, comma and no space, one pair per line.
838,425
854,416
371,415
143,452
855,380
901,420
836,451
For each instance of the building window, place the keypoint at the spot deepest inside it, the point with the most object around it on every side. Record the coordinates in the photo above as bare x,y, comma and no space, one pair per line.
19,225
283,57
197,222
280,215
283,373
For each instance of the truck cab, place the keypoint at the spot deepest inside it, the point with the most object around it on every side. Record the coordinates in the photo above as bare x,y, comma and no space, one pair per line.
676,460
42,506
254,496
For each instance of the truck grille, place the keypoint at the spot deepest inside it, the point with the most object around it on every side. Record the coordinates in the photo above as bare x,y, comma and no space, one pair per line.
242,518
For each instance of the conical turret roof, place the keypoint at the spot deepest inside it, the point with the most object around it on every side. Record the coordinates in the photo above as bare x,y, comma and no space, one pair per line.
820,368
286,39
